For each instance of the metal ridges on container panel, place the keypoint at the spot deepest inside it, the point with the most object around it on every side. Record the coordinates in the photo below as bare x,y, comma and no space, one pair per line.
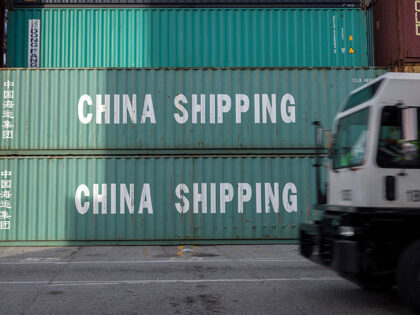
76,111
157,199
212,37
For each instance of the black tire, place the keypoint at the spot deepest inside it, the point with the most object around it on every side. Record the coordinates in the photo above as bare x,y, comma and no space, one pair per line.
408,276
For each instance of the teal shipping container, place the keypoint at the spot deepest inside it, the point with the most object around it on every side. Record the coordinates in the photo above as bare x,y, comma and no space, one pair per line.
187,37
137,111
50,201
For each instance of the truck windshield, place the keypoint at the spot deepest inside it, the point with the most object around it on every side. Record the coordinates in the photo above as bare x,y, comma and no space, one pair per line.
350,140
389,153
363,95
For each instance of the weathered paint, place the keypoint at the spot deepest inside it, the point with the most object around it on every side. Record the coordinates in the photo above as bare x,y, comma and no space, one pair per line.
200,37
50,109
46,199
397,31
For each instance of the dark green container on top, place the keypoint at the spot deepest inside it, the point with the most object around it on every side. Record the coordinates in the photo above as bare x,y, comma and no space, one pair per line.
187,37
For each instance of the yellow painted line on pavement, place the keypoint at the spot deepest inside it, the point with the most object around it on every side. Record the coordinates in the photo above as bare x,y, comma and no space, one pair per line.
144,248
179,251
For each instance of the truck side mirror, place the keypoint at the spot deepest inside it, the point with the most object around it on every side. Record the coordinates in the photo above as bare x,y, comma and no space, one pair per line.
320,143
410,133
320,150
328,136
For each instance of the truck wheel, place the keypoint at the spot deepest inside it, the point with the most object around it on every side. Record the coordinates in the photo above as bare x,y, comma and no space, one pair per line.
408,276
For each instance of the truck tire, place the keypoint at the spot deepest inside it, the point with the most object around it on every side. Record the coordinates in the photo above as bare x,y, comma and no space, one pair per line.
408,276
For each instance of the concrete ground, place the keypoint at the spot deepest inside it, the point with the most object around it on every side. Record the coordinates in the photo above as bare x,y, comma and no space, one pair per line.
246,279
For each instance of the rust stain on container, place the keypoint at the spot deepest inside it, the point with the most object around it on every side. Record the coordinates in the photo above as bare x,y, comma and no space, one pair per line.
396,31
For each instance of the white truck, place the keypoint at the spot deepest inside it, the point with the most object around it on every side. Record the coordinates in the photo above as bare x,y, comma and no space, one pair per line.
369,221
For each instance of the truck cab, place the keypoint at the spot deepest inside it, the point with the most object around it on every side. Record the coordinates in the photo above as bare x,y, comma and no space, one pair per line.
369,221
370,166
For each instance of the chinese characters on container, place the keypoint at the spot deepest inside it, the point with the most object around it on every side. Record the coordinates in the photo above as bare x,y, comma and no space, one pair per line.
8,113
5,199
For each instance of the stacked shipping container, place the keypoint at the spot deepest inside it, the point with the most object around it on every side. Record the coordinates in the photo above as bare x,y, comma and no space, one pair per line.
170,155
396,27
202,37
191,3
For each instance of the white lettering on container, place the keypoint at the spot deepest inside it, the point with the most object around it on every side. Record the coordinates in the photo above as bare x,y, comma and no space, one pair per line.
267,192
288,112
185,203
242,106
146,200
219,107
200,198
102,111
148,110
100,198
244,195
82,208
183,117
130,108
126,198
290,197
199,108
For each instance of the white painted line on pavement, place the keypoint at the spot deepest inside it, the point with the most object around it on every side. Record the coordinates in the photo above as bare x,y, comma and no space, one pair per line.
121,282
176,261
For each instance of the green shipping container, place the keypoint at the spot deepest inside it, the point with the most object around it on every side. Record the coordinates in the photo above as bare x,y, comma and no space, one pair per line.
59,112
204,37
154,199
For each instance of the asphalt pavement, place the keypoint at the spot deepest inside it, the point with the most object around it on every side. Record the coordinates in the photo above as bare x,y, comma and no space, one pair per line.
246,279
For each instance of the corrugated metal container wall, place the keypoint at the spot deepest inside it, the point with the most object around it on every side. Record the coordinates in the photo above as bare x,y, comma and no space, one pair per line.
190,2
397,31
370,37
3,37
157,198
137,37
156,109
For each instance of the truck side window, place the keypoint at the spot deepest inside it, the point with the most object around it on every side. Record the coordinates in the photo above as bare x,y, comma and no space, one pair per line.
350,142
389,153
